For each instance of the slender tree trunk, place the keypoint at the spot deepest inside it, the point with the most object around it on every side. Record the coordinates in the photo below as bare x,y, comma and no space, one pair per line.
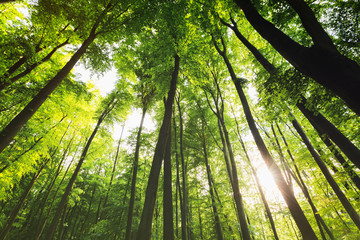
294,207
178,190
219,233
51,231
62,221
263,198
134,177
20,203
113,170
16,124
321,123
168,222
43,223
10,131
345,202
49,189
88,211
144,232
32,67
185,207
322,61
230,162
304,189
348,169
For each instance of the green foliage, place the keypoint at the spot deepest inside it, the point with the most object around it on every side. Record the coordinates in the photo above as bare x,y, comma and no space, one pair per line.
140,39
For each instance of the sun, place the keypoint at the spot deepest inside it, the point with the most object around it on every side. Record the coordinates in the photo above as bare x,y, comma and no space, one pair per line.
268,184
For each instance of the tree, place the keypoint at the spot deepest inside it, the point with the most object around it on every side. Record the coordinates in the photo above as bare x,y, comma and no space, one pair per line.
9,132
322,62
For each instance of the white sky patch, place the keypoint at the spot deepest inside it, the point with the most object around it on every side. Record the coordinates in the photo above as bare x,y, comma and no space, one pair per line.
105,83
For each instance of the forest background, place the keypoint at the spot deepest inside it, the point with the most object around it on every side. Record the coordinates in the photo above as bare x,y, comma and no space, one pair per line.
231,119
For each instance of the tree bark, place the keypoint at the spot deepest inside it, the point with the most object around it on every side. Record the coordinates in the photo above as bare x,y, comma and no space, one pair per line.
322,61
168,222
299,180
294,207
219,233
345,202
184,205
134,177
321,123
144,232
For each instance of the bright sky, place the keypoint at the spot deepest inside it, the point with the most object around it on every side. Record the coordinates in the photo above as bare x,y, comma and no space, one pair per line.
106,83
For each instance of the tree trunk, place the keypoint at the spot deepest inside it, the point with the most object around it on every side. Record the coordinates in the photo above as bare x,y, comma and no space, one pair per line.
51,231
134,177
345,202
20,203
321,123
144,232
263,198
299,180
350,150
32,67
10,131
178,190
168,222
219,233
184,205
113,170
230,163
322,61
294,207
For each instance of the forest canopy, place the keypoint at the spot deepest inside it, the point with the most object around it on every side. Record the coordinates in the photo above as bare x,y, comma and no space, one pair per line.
246,115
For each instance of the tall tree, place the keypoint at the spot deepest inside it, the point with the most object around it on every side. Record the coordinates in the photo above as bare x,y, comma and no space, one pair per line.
97,28
322,61
151,190
293,205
